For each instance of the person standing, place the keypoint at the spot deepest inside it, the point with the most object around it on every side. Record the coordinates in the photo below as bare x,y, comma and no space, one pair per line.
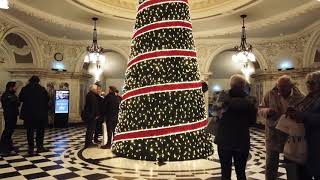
10,104
101,117
111,109
275,103
91,110
238,113
308,112
118,95
34,112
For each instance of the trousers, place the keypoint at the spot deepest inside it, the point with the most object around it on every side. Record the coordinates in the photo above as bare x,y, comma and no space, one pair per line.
272,165
240,162
39,137
10,125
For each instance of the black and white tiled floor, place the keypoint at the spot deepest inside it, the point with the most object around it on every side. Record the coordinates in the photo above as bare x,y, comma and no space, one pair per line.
67,160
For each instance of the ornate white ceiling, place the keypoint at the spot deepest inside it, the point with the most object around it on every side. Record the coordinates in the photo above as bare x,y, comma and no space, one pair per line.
211,18
127,8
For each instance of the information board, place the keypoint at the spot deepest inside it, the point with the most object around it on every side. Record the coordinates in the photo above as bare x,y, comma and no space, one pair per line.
62,102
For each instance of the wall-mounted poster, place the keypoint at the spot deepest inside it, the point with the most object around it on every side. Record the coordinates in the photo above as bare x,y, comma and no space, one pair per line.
62,102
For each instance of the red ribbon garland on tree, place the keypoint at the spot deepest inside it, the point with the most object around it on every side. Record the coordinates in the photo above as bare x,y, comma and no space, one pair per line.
162,54
149,3
162,88
162,25
159,132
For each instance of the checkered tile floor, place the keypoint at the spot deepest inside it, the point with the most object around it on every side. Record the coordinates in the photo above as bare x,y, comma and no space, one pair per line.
67,160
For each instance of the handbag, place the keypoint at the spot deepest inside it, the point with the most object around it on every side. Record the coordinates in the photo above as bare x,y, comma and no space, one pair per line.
212,126
295,148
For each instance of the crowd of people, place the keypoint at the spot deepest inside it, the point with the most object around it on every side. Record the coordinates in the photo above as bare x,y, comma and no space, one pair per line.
292,127
99,109
292,123
34,112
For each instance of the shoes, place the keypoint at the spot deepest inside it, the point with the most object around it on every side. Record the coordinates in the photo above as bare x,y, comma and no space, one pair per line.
42,149
97,141
31,151
4,151
90,145
13,148
107,146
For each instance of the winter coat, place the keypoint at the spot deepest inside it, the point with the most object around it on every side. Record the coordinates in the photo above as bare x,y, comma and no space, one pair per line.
34,110
10,104
111,107
91,108
275,140
311,120
239,113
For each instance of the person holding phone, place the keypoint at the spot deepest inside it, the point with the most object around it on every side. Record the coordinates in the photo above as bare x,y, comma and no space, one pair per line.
275,103
308,113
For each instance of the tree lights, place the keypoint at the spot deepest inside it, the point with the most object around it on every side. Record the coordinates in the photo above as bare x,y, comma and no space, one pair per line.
162,116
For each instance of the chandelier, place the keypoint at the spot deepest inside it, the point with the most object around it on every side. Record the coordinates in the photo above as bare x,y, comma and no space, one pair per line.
4,4
94,52
244,51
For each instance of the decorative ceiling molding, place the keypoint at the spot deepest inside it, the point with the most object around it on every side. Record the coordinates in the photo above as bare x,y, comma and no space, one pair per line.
25,50
276,19
49,18
126,9
12,22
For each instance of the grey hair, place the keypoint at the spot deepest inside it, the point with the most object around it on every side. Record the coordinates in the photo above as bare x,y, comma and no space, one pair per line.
238,80
93,87
314,76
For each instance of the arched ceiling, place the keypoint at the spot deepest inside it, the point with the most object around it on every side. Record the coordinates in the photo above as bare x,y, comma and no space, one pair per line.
71,19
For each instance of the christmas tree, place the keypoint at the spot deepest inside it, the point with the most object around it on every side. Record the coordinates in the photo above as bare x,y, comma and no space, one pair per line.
162,115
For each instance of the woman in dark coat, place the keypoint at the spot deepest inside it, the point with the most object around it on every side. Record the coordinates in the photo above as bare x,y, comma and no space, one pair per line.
10,104
34,112
308,112
233,136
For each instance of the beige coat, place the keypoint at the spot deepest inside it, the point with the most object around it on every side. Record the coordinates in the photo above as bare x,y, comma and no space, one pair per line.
275,140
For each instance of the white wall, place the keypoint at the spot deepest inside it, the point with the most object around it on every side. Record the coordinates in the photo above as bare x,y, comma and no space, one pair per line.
118,83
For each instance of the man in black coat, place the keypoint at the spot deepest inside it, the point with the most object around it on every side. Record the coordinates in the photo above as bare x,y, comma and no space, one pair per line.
111,110
101,117
34,112
237,114
92,114
10,104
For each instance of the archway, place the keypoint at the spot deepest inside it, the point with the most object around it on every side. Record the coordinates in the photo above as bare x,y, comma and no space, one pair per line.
311,49
80,62
30,41
260,59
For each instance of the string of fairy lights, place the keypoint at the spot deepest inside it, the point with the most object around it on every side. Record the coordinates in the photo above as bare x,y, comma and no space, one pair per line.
157,109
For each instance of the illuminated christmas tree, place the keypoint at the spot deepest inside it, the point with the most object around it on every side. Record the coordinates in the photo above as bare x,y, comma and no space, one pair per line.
162,115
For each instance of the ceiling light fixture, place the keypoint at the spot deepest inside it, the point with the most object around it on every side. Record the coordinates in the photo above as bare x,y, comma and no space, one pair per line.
94,52
4,4
244,53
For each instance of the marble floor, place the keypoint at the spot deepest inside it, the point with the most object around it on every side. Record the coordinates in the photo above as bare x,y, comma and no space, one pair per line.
67,160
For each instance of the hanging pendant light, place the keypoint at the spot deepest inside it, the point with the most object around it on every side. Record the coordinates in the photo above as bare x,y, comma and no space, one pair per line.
94,52
244,51
4,4
244,54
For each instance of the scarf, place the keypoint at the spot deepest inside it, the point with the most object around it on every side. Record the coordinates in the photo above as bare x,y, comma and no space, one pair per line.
308,102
